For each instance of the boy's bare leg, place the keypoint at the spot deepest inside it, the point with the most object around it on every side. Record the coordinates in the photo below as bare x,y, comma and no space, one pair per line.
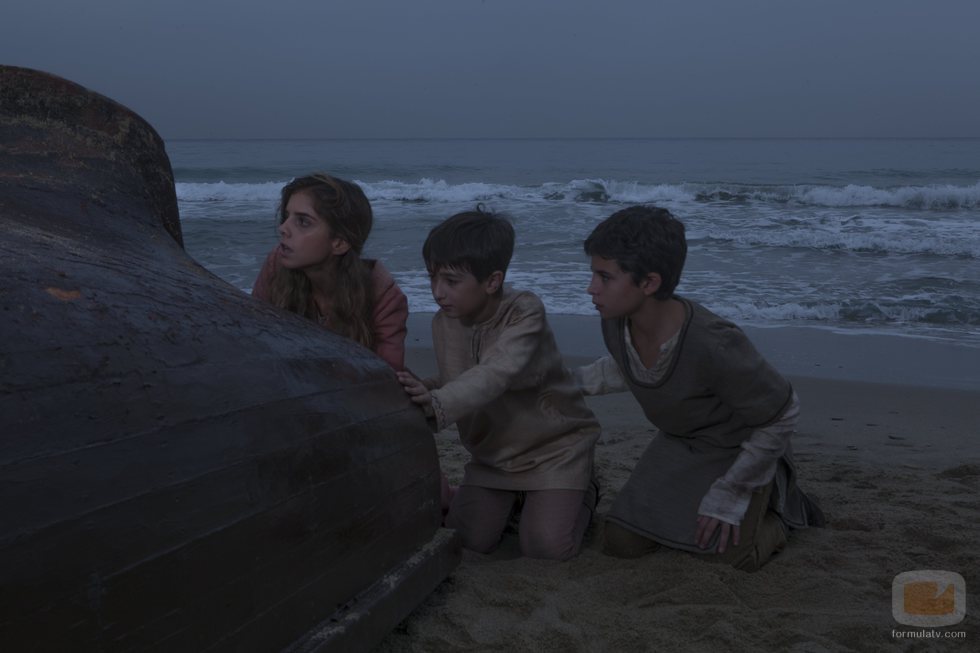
553,523
446,492
480,515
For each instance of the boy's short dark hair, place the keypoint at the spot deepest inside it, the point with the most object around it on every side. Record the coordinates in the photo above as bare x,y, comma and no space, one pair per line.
480,242
642,239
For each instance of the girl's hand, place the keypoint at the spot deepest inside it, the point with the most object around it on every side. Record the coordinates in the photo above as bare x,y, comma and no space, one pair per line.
707,527
416,390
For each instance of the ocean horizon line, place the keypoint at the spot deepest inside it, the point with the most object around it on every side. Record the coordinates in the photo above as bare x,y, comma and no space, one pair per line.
269,139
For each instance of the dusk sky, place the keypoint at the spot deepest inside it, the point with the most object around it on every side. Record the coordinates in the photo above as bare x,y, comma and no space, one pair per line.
516,68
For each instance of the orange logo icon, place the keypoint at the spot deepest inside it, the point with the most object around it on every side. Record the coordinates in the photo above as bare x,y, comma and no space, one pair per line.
923,597
929,597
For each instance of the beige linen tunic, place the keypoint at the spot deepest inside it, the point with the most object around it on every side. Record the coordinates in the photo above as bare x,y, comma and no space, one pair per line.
519,412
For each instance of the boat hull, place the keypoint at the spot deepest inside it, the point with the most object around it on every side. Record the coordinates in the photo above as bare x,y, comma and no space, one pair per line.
182,467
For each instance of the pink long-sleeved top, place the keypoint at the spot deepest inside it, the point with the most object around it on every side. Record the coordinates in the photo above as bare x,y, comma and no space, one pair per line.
390,307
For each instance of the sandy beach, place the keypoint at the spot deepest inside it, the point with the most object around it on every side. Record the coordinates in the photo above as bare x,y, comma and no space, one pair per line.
888,444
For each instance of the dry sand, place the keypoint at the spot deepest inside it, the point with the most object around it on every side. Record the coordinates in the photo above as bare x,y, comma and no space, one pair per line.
889,444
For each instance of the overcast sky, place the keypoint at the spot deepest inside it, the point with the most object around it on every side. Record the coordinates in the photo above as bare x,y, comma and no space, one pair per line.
516,68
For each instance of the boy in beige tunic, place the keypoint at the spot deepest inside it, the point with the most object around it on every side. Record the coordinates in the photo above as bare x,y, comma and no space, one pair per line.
718,477
502,382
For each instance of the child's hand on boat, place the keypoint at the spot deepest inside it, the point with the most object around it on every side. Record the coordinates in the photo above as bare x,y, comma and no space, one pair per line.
416,390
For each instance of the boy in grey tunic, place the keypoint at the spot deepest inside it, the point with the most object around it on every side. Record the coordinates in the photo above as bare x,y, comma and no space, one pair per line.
718,477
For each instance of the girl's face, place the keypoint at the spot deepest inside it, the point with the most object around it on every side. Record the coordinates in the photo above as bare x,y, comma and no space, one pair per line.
305,239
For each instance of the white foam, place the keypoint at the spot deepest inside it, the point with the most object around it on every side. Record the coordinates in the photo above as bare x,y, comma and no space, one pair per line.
875,241
637,193
926,197
615,191
430,190
787,312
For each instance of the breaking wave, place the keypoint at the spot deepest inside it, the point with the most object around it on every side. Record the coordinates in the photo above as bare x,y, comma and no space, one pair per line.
617,192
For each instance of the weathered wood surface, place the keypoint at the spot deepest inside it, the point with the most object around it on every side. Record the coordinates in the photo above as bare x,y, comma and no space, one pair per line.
182,467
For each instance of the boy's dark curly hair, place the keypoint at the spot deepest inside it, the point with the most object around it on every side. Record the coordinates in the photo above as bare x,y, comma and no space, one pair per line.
642,239
479,241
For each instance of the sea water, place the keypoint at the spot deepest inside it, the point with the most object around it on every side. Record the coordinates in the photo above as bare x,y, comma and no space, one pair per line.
847,234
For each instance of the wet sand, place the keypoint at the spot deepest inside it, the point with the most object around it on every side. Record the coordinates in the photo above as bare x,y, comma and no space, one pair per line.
889,445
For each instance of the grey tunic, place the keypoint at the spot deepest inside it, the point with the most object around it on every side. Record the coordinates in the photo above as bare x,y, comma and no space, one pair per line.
717,390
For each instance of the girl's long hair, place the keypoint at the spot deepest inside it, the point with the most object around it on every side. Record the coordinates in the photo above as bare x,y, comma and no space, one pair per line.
348,214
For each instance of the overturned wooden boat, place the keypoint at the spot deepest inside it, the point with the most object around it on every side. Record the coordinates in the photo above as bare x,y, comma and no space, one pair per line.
182,468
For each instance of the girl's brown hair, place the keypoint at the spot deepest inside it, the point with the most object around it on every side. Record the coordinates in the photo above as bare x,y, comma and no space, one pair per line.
348,214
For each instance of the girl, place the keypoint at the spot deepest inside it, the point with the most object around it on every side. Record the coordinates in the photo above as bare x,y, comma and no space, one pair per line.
317,271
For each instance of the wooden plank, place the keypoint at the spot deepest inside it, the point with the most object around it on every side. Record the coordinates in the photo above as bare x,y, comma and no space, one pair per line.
363,622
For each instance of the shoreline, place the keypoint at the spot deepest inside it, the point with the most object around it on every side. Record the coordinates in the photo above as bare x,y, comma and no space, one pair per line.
886,399
795,351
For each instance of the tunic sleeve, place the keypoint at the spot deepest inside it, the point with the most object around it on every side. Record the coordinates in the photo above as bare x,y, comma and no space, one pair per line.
502,367
754,467
600,377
